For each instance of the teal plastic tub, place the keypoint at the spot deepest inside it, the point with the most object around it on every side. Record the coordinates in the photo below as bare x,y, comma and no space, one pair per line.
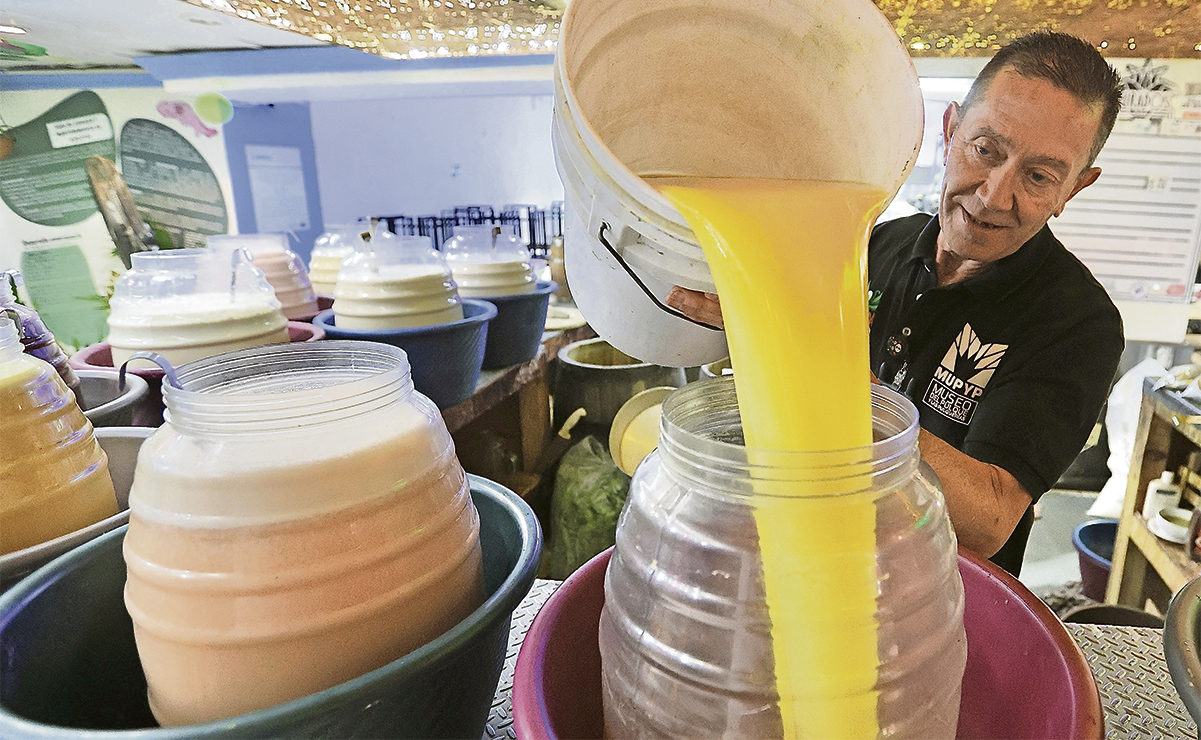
71,667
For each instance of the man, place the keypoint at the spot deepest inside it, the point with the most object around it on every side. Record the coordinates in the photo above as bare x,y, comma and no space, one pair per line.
1004,340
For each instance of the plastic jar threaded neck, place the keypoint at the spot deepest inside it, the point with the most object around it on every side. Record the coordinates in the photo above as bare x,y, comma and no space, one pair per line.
700,443
284,387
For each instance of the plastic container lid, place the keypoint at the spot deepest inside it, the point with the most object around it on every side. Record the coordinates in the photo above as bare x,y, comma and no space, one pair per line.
339,240
182,273
634,433
282,267
386,251
485,244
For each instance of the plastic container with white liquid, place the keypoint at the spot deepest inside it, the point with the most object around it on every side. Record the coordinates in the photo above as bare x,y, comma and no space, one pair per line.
395,282
489,261
188,304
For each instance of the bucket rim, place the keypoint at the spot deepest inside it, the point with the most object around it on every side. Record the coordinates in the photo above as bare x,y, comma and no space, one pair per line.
497,609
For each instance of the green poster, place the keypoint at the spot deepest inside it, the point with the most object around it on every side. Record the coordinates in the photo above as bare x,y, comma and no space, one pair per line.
43,179
171,183
60,284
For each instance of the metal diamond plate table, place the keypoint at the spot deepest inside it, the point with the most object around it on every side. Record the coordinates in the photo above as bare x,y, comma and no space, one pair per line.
1136,691
500,719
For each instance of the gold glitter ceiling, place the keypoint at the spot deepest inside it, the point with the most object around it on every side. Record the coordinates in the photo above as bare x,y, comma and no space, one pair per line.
416,29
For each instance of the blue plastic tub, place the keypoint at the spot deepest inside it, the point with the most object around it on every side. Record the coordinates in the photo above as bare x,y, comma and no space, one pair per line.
71,668
515,335
444,359
1094,546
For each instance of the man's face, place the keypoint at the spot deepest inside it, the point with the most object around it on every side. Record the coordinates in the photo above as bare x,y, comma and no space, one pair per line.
1013,160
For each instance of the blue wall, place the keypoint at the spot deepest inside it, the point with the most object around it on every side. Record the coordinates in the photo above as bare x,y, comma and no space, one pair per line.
282,124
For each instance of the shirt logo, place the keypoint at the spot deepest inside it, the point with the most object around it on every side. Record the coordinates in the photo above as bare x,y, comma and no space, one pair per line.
960,379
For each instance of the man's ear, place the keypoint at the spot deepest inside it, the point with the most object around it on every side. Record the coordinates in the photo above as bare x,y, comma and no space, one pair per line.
950,122
1088,177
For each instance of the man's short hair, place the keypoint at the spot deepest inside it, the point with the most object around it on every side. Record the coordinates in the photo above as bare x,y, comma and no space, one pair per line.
1069,63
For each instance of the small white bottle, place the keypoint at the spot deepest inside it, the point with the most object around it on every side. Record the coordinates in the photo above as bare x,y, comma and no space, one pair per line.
1161,494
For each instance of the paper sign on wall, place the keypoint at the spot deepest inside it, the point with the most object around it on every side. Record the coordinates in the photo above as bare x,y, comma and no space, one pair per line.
277,188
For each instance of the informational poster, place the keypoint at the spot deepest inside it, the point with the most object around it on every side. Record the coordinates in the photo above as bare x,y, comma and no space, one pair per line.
172,184
277,188
50,226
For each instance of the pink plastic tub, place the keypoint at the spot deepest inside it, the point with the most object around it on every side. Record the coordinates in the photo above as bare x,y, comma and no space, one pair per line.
149,411
1025,678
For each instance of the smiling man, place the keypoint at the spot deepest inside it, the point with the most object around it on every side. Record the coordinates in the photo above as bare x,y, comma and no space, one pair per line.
1004,340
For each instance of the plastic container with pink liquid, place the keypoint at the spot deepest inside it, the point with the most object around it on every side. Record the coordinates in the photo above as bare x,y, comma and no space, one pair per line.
282,267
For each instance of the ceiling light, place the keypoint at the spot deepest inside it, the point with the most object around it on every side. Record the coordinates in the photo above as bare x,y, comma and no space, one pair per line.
11,29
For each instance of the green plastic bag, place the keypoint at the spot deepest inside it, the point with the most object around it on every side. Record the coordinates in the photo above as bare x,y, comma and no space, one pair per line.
590,491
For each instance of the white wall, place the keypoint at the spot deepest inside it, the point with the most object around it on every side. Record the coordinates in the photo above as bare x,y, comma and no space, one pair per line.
417,156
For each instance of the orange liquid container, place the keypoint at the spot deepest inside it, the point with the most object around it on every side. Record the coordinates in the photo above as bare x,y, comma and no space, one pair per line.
300,520
53,475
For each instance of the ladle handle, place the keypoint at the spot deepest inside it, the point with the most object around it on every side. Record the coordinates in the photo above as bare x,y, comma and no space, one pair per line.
157,359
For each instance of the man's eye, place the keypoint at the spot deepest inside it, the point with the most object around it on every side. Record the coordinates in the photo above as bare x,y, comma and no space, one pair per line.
983,151
1039,178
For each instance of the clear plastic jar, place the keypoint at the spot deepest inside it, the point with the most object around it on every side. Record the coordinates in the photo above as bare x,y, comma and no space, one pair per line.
685,635
299,520
395,282
36,337
489,261
53,475
187,304
329,251
282,267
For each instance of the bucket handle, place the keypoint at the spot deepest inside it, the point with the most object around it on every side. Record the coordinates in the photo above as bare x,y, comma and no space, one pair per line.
600,235
156,358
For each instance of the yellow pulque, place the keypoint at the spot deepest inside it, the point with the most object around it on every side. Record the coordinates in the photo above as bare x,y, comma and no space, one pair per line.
789,259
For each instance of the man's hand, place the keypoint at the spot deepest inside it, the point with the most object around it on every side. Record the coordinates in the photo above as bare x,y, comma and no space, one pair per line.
696,305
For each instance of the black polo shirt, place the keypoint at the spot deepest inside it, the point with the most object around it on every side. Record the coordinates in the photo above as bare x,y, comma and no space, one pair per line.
1010,366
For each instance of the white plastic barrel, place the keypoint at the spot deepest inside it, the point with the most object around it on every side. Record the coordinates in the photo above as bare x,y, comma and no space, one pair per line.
792,89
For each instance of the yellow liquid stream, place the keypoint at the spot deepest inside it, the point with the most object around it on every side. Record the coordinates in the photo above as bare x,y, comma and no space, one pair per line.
789,259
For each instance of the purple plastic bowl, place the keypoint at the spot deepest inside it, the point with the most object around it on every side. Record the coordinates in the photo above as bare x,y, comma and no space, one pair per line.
1094,548
1025,678
149,411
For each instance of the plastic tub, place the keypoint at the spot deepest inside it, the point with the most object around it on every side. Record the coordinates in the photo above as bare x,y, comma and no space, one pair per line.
148,411
515,335
599,378
444,360
1094,546
121,444
104,404
1114,614
72,669
1181,636
1025,677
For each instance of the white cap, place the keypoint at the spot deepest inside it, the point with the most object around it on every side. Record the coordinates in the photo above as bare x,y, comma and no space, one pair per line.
1166,477
9,337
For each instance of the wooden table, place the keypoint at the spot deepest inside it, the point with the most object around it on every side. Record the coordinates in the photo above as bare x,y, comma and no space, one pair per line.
503,431
1147,570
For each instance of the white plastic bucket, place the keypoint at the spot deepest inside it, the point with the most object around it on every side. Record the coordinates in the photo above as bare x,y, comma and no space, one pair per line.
793,89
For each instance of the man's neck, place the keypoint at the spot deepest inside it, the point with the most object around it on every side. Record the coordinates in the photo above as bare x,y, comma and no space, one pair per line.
951,268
